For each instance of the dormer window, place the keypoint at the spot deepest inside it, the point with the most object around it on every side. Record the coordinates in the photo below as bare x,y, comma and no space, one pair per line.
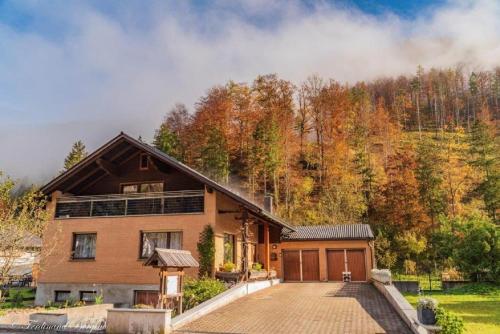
144,162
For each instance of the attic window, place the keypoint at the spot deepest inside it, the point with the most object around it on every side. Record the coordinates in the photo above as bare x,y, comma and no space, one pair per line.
144,162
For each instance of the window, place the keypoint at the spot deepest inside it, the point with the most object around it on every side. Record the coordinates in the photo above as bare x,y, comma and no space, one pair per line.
130,188
151,187
88,296
144,162
142,188
84,245
152,240
62,296
229,248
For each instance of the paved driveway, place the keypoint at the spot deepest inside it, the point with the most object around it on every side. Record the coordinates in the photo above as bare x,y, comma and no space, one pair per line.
305,308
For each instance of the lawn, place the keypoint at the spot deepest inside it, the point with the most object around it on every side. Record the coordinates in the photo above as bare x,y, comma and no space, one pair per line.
477,304
28,296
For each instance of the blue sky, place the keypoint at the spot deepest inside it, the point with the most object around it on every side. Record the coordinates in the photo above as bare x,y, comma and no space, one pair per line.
86,70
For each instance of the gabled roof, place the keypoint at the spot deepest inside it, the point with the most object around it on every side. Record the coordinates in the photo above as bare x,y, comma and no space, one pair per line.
165,158
173,258
329,232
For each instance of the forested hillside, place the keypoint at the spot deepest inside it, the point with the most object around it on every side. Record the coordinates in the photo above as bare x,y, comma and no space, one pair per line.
405,154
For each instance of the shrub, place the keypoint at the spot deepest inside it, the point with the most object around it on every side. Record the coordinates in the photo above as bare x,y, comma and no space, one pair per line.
206,251
257,266
476,289
427,303
196,291
17,298
449,322
228,267
99,299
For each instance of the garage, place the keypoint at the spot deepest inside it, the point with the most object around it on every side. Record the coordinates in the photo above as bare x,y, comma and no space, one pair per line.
352,261
301,265
325,253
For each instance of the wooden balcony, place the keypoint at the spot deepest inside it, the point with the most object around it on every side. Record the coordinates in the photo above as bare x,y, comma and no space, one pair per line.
136,204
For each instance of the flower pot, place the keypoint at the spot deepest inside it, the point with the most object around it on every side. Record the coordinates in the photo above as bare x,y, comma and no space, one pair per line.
426,316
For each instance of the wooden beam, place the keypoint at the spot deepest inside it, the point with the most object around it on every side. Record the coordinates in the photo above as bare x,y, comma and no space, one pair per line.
267,254
246,242
108,167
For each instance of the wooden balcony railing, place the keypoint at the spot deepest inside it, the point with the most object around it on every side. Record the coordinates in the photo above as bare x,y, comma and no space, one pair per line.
137,204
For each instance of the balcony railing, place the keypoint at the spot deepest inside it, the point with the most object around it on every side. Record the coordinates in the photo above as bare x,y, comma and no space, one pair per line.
137,204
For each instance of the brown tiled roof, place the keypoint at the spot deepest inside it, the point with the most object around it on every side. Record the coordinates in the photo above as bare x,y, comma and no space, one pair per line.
329,232
174,258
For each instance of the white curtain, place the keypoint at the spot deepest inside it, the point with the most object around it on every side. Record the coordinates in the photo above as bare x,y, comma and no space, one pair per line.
152,240
85,246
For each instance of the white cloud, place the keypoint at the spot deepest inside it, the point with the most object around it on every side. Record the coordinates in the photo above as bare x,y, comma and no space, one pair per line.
108,74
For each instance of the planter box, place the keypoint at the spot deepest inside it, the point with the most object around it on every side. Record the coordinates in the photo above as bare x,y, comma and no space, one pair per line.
132,321
52,319
257,275
426,316
228,276
446,285
407,286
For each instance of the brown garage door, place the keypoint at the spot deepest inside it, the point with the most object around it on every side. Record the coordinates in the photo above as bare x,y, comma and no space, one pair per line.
310,265
146,297
301,265
291,265
356,264
336,264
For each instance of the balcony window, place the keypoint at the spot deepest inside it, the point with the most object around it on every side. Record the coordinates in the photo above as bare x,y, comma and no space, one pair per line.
84,245
130,203
152,240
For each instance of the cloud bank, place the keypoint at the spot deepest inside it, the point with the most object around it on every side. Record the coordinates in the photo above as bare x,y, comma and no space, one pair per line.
93,71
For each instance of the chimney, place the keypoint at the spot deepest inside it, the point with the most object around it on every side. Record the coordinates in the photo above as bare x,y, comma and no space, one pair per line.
268,203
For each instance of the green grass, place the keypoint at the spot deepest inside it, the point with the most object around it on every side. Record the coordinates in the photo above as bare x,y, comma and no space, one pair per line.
477,304
423,280
28,296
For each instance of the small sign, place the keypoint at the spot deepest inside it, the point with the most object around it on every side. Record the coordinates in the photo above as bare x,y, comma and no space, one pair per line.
173,285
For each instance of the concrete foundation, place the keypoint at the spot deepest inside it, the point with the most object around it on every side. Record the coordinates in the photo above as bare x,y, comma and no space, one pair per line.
133,321
112,293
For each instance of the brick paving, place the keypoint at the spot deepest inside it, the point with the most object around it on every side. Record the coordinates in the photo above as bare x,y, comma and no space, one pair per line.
305,308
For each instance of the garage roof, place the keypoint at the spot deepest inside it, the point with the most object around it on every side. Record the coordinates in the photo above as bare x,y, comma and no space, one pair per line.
329,232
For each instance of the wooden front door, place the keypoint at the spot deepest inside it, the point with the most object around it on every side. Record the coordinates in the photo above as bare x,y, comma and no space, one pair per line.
335,260
291,265
146,297
310,265
356,264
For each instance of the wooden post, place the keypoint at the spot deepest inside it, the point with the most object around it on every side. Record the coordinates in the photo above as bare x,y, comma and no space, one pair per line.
246,241
267,254
181,289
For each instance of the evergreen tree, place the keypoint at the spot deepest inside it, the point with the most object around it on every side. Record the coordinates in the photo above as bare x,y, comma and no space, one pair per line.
429,176
77,153
168,142
484,153
215,156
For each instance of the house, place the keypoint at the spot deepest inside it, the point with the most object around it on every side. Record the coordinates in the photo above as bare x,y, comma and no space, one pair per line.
23,264
111,210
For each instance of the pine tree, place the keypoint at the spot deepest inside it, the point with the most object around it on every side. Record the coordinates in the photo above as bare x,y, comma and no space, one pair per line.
77,153
168,142
430,178
215,156
484,153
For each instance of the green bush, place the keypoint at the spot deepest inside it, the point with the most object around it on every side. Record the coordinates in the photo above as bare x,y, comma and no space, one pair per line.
206,251
449,322
483,288
196,291
17,299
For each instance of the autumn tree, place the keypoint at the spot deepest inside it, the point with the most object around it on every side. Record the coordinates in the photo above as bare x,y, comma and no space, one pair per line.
171,136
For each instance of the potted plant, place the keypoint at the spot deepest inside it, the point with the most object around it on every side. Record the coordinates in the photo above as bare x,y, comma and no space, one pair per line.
257,272
227,272
426,311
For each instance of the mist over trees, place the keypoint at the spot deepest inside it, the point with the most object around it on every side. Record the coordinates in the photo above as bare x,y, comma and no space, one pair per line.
403,154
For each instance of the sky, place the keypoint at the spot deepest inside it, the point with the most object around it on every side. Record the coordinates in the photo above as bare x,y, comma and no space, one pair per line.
87,70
